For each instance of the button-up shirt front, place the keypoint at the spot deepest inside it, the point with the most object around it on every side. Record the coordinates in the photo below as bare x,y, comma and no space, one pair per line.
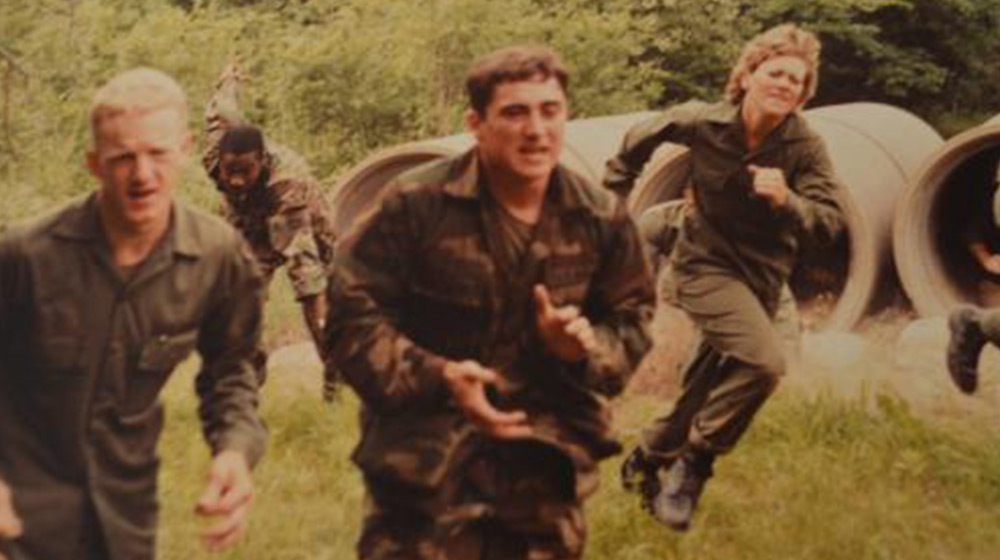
84,354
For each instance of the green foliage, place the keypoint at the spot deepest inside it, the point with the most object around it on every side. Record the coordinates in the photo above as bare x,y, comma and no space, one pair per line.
693,43
334,79
339,79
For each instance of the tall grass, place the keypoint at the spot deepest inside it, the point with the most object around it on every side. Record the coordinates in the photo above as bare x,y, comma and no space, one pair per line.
307,499
818,477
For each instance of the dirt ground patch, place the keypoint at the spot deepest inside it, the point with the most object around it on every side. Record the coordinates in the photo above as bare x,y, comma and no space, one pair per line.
890,353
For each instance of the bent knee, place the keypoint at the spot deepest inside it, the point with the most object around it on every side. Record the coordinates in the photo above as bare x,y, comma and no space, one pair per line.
768,368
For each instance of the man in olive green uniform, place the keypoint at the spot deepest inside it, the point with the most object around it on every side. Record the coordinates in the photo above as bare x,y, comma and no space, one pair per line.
272,198
762,184
660,226
483,313
98,303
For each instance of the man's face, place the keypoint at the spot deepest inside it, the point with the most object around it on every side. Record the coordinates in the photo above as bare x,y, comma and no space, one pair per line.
138,158
521,134
776,87
239,171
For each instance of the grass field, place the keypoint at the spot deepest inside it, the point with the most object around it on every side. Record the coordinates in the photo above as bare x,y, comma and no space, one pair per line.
861,455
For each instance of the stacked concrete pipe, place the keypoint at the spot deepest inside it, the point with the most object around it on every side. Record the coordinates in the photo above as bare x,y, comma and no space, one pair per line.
874,149
587,146
952,190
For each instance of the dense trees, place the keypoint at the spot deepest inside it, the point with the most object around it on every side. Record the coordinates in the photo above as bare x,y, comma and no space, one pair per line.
340,78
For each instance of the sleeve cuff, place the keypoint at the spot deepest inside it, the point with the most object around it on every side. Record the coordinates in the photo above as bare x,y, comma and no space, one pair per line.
310,286
249,444
602,368
795,208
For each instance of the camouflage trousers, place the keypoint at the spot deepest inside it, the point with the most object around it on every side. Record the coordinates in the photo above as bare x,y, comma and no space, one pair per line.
331,376
508,501
735,369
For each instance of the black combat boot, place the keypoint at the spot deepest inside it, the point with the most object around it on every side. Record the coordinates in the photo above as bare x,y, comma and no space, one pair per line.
674,505
331,391
638,473
964,347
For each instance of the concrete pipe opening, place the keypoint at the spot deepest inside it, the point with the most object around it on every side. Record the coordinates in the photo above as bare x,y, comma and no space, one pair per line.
359,188
874,148
948,203
587,145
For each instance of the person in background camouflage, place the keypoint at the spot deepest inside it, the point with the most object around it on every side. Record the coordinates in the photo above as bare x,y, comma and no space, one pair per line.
762,185
982,230
272,198
483,312
99,302
971,327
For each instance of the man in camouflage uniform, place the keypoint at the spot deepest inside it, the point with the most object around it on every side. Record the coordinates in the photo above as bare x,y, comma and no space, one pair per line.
763,185
273,199
99,302
972,327
483,312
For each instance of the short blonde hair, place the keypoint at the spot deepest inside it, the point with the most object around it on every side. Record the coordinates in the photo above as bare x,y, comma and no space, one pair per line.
139,90
784,40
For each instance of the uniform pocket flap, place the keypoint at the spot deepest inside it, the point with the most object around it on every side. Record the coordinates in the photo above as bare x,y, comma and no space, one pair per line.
59,354
163,352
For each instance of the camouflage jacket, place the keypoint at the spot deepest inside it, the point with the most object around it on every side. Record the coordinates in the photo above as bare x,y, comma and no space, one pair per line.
733,231
284,218
84,355
418,282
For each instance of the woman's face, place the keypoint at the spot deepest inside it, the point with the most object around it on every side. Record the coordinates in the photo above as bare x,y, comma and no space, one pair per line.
776,87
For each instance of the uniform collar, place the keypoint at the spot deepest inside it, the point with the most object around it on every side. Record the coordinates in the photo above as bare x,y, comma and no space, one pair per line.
793,128
81,222
186,241
466,181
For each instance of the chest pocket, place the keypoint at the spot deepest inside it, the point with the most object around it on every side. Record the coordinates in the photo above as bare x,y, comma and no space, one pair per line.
288,227
713,163
162,353
157,359
449,306
567,278
56,346
59,355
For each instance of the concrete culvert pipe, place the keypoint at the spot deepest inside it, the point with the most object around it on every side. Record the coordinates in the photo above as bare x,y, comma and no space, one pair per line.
874,148
587,146
937,216
359,188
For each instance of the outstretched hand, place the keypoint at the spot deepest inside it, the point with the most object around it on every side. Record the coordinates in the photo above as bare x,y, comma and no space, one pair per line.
228,496
991,264
566,333
467,382
10,524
